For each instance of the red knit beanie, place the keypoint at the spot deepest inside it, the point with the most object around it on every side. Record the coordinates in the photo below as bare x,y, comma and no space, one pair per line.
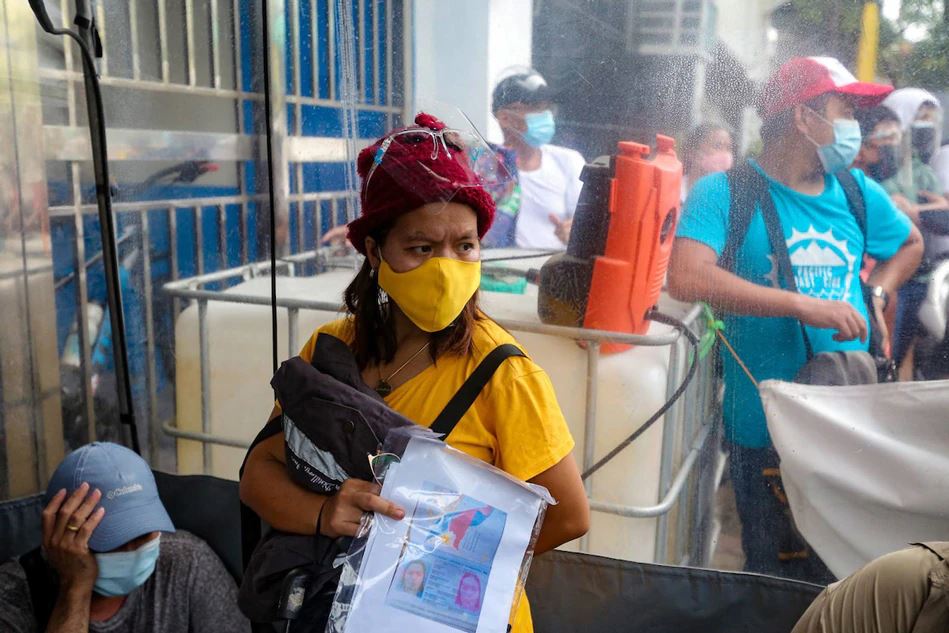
408,177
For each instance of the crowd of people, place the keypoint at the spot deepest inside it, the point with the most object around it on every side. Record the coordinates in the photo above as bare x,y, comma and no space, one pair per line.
846,172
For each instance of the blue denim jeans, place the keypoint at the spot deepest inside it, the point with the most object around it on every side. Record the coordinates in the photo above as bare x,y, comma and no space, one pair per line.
771,543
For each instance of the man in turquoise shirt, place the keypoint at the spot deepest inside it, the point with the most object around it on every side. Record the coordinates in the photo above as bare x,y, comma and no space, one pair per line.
808,134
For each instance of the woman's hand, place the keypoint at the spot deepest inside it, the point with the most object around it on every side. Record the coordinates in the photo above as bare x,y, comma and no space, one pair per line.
67,526
343,511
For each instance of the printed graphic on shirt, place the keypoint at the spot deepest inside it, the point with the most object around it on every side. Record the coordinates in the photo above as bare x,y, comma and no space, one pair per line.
823,265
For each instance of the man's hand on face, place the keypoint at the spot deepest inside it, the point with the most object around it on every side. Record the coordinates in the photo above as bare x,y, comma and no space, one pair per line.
67,525
561,227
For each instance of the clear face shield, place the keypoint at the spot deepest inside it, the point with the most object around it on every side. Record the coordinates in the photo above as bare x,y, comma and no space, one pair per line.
926,132
441,165
886,142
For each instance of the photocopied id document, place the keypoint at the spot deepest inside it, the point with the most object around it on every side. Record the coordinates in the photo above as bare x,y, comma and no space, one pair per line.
455,562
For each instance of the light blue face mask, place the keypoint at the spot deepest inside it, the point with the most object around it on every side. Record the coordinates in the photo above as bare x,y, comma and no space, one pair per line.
540,128
843,151
120,573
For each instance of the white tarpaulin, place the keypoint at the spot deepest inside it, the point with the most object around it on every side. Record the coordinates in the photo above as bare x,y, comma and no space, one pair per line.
866,468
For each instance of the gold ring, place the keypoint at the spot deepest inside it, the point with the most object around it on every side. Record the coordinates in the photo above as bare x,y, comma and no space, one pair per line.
72,528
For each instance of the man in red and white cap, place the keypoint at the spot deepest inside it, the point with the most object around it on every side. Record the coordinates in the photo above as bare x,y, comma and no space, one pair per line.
784,305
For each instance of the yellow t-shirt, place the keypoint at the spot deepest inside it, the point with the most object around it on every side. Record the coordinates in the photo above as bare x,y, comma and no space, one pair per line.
514,424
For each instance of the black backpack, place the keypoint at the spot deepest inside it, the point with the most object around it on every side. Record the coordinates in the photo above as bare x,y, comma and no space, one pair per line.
749,191
291,579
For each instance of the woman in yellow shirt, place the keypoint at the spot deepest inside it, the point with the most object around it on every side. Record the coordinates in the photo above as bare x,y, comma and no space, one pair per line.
417,334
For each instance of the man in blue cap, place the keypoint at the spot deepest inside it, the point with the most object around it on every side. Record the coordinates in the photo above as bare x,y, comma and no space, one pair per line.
111,559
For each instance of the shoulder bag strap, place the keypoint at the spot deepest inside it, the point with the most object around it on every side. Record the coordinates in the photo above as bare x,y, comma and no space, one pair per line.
459,404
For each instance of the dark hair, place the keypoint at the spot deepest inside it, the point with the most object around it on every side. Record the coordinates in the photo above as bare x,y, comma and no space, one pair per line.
869,118
695,138
775,127
374,328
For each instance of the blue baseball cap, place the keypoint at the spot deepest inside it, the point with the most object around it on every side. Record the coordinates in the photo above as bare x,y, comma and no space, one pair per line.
129,494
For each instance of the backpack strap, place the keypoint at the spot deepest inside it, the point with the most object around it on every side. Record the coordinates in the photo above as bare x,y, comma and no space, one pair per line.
855,200
42,584
459,404
749,190
743,182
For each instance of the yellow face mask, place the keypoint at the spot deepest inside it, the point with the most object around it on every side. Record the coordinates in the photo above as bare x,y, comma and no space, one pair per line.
433,294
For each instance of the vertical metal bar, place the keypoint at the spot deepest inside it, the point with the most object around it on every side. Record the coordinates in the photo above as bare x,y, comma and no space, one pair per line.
133,41
204,360
239,104
173,253
222,235
301,216
163,41
331,45
238,72
293,323
666,466
408,71
376,53
390,46
199,239
189,42
295,36
314,48
278,108
301,226
215,46
103,37
244,208
82,281
589,422
361,47
296,30
318,219
154,425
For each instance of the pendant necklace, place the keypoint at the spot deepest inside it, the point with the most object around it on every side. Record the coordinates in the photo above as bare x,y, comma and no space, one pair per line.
383,387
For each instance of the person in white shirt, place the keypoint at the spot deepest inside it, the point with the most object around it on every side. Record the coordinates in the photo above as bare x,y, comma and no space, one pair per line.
549,175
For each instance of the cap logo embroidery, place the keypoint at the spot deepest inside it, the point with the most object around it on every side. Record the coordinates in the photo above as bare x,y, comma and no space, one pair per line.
124,490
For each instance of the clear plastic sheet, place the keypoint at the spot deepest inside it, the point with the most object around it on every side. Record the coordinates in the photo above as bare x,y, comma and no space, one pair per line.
460,558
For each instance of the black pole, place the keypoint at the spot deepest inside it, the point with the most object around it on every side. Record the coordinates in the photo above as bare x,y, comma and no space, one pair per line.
85,24
265,25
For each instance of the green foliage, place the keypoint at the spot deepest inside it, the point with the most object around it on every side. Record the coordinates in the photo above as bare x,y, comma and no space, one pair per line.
925,63
928,63
833,27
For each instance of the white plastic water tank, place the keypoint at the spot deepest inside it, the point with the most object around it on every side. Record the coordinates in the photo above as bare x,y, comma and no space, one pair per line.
240,363
631,386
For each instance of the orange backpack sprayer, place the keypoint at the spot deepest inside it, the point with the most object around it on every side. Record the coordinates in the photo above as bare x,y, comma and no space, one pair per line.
613,271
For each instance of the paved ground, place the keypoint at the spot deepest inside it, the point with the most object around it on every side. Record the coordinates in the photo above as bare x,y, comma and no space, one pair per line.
727,553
